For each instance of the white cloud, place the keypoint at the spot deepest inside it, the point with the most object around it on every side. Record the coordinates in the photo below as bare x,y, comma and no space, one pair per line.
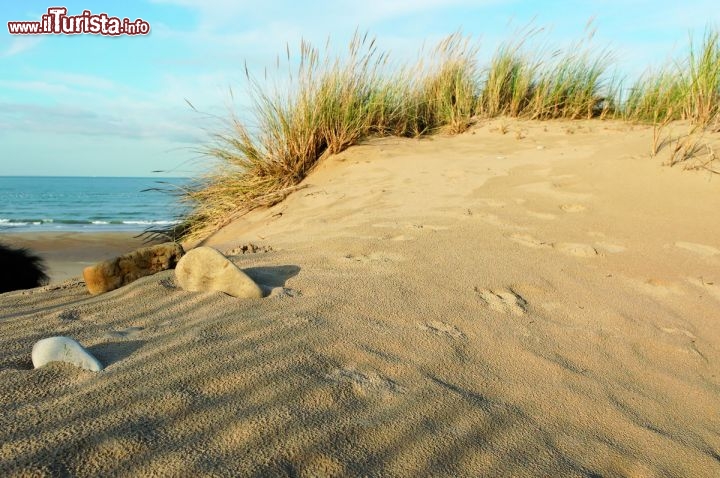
34,86
222,12
231,32
80,80
88,121
21,44
82,104
658,16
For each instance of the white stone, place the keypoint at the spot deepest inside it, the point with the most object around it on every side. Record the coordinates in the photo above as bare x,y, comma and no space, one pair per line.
63,349
205,269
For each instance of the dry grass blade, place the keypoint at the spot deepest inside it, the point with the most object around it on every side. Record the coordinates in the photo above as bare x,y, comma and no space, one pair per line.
658,141
687,147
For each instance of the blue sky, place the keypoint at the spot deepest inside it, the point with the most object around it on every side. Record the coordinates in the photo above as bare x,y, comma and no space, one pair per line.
115,106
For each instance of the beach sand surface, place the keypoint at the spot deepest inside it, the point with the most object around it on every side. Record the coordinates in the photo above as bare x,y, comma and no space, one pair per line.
67,253
544,302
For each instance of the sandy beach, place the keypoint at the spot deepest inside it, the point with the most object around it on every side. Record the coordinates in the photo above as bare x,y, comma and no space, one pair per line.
544,302
67,253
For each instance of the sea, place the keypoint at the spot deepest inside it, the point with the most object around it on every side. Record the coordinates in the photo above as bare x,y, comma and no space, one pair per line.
88,204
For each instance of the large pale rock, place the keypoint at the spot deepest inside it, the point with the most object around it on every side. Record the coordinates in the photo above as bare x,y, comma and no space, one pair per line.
63,349
109,275
204,268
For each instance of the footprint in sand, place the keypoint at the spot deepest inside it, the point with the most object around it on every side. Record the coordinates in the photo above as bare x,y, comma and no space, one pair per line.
708,286
303,319
283,293
605,246
572,249
416,226
126,333
375,257
557,190
656,287
401,237
576,249
690,347
573,208
493,202
496,221
428,227
672,330
529,241
441,328
69,315
365,384
542,215
389,225
503,300
609,248
701,249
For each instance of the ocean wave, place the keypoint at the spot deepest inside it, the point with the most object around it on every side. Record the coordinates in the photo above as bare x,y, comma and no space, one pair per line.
5,222
151,223
25,222
9,223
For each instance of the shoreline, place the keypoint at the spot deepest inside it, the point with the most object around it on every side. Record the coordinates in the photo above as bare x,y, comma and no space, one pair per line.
66,253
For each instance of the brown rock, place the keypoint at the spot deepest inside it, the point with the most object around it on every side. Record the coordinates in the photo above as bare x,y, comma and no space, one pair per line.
111,274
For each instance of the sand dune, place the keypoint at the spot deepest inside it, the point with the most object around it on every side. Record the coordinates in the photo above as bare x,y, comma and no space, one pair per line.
479,305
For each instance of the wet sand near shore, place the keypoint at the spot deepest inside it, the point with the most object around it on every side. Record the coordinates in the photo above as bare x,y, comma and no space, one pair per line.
67,253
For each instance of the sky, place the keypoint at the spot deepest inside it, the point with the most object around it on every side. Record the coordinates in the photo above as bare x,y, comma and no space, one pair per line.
93,105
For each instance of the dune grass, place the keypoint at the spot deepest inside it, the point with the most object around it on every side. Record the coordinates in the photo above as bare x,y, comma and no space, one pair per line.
568,84
688,89
331,102
329,107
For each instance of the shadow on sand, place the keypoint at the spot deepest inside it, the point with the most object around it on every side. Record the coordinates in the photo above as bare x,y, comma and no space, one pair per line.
272,276
112,352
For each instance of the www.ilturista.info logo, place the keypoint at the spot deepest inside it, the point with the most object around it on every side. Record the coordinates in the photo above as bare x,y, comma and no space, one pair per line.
57,21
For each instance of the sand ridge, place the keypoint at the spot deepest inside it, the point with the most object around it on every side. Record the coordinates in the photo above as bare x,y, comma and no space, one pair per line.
444,317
